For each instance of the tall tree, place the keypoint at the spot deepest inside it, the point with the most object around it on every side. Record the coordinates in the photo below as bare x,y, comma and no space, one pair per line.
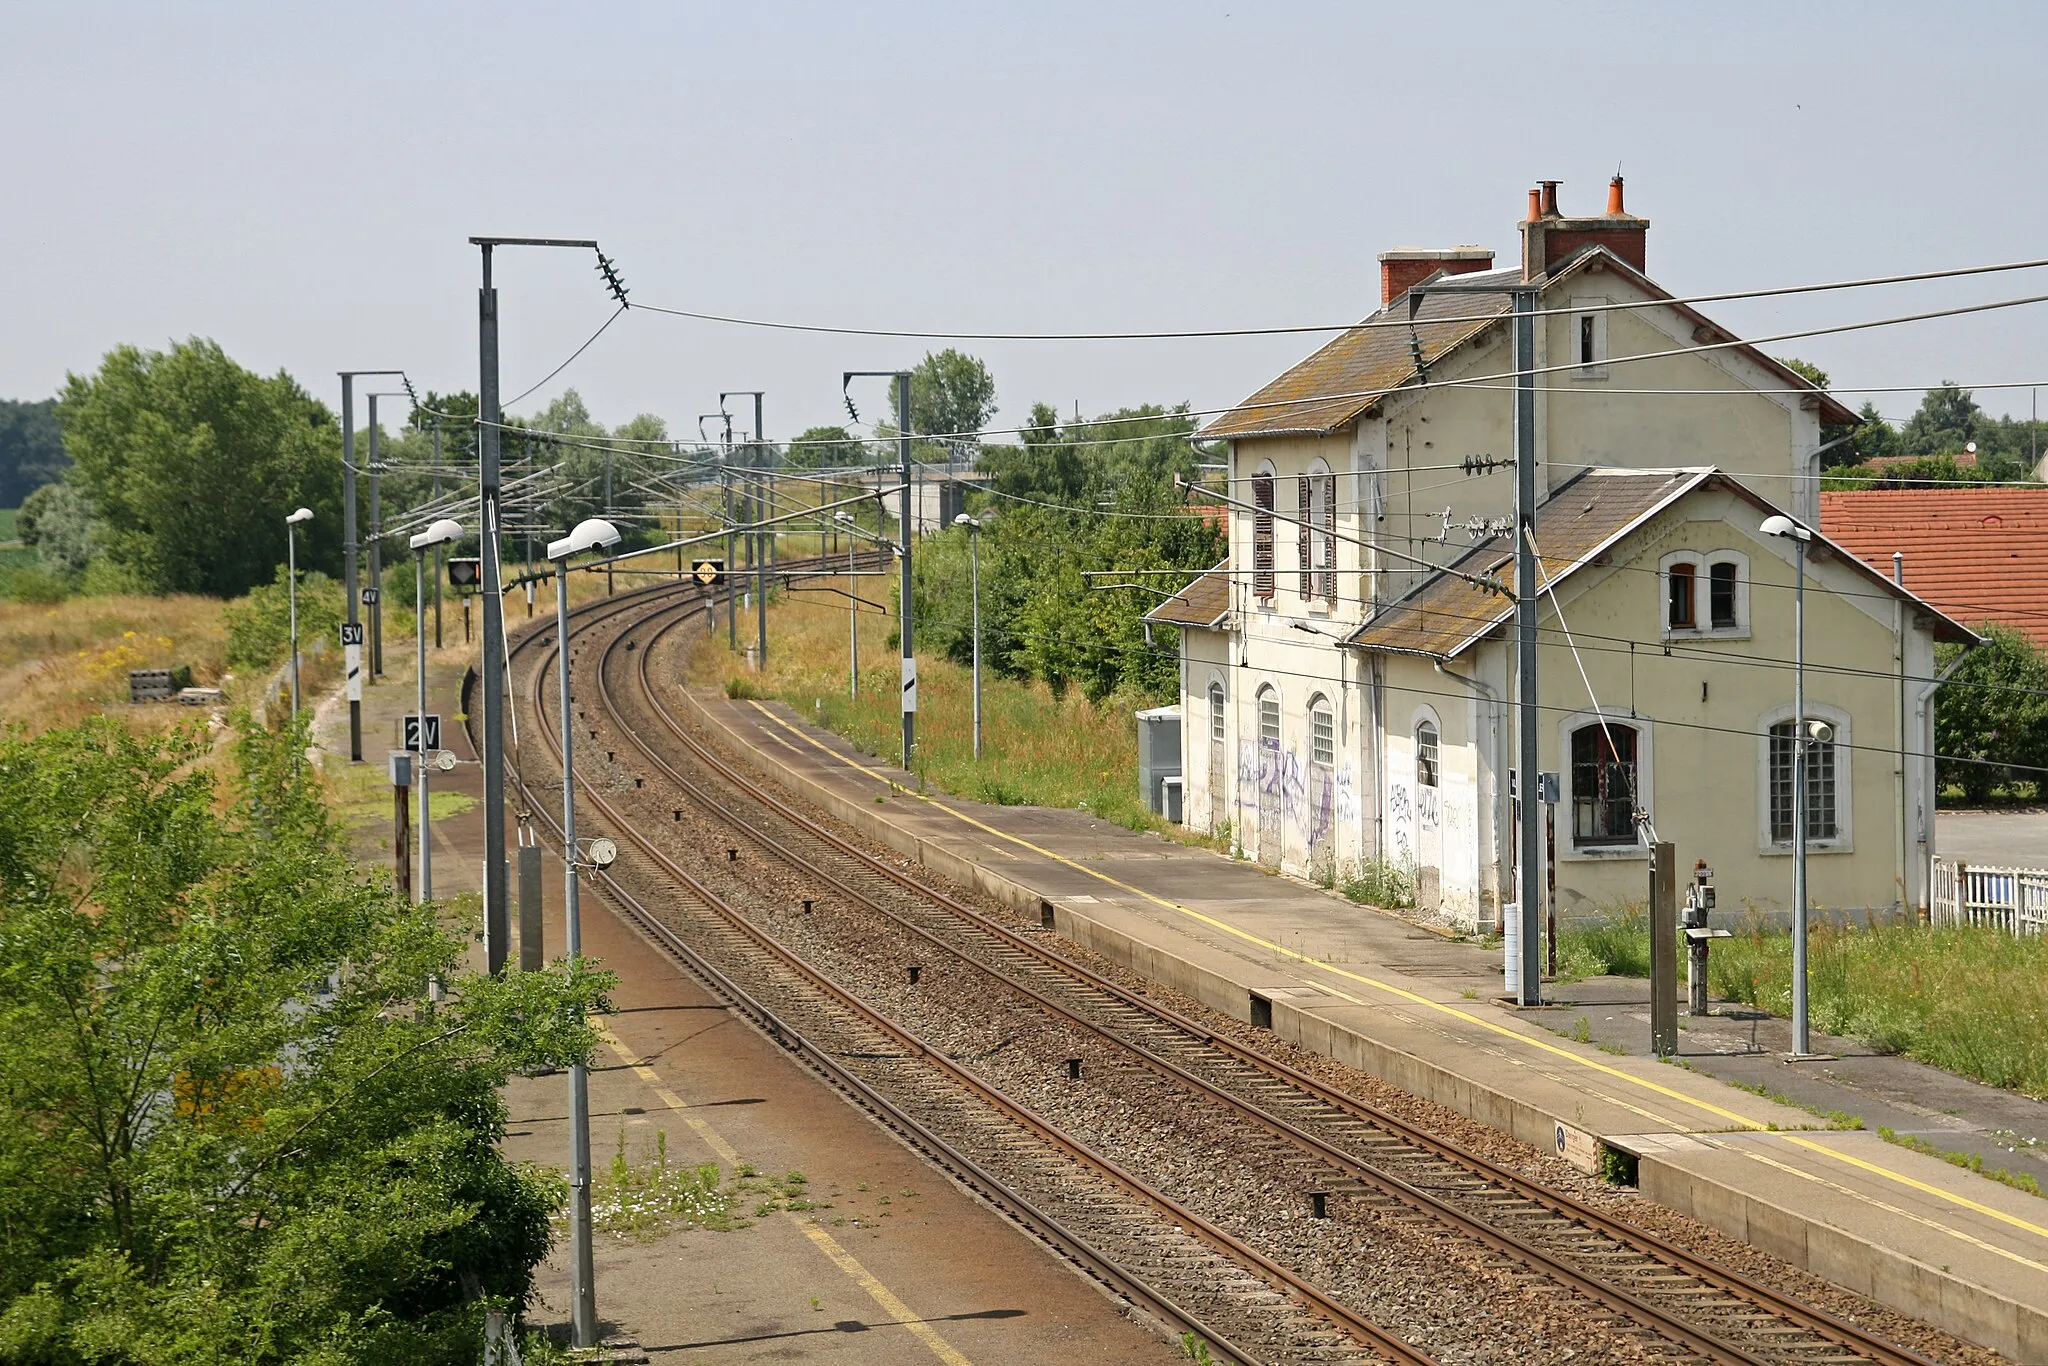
193,462
826,448
31,449
952,396
1947,419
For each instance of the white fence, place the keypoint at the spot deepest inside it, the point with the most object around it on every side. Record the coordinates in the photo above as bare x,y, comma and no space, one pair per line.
2011,899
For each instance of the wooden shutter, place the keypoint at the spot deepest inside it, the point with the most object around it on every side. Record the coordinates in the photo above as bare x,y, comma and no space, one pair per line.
1327,526
1302,488
1262,536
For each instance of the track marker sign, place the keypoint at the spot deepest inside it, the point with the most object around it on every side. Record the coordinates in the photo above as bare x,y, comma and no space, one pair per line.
708,572
352,657
910,683
412,732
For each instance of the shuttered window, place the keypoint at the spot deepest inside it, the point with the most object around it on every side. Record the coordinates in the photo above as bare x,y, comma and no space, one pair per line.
1262,536
1304,519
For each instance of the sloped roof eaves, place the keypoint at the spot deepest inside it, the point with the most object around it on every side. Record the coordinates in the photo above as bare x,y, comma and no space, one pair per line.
1202,605
1443,617
1351,372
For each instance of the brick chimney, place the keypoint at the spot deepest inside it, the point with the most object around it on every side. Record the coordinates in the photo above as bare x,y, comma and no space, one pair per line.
1406,267
1549,238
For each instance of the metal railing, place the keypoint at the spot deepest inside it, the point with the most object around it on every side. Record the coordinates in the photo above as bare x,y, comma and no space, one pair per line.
2011,899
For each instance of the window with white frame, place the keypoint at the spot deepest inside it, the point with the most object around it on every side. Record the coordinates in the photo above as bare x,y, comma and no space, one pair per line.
1269,716
1322,731
1706,593
1262,533
1428,755
1216,711
1827,778
1604,784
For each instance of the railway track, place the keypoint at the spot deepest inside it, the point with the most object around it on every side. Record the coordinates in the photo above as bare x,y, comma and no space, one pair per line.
1671,1301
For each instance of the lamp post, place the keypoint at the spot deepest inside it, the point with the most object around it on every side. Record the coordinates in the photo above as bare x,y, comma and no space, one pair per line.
1784,527
352,654
377,540
973,526
291,553
439,534
852,612
588,535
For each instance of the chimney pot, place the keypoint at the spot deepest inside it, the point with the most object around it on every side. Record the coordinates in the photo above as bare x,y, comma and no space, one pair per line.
1535,205
1614,195
1550,197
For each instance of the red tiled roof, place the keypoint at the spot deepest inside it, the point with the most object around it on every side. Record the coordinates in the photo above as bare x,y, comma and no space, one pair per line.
1977,554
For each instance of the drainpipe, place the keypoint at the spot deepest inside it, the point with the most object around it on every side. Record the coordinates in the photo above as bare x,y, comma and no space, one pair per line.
1501,818
1923,724
1905,860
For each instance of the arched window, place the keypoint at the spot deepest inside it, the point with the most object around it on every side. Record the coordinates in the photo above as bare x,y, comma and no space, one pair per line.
1322,731
1603,784
1680,613
1269,716
1428,756
1262,533
1216,711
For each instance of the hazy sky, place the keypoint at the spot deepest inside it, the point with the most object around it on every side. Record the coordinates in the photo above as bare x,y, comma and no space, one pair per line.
299,181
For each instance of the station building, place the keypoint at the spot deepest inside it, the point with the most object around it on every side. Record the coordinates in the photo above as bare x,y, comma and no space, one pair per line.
1347,673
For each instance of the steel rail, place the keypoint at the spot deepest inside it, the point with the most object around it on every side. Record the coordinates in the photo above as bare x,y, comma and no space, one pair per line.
869,1096
1814,1320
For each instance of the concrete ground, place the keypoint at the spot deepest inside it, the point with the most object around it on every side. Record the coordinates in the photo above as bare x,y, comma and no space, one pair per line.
894,1263
2016,838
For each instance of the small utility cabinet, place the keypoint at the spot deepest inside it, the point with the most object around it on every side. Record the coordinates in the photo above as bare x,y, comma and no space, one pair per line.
1159,769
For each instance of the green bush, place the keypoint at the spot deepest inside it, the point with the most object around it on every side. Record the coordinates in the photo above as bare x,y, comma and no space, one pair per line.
33,583
1381,883
259,626
1611,946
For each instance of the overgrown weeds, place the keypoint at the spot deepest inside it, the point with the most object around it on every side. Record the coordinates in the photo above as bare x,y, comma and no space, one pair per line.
1382,883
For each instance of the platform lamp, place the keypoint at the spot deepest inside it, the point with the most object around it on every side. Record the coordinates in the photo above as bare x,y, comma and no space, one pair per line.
590,534
1785,528
441,533
852,610
291,552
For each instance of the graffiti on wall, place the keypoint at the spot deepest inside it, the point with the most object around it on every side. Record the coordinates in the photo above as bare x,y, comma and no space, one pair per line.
1288,792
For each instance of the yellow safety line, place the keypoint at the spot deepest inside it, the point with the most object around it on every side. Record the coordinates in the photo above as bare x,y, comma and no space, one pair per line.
881,1294
712,1140
841,1258
1922,1219
1740,1121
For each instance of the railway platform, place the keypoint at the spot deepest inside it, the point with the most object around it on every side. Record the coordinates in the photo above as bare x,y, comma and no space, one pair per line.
1423,1012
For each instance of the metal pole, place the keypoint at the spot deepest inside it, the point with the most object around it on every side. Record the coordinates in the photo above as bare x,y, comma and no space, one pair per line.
291,554
764,508
419,613
440,554
732,565
583,1295
905,612
1663,949
974,580
1800,1038
852,625
1530,862
348,558
495,926
376,552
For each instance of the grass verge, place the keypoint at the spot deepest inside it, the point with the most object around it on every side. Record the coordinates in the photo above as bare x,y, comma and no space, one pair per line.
1969,1000
1037,750
2019,1181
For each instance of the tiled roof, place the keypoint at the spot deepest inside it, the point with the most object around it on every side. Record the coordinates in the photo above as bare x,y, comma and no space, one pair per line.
1344,378
1333,387
1977,554
1446,614
1203,603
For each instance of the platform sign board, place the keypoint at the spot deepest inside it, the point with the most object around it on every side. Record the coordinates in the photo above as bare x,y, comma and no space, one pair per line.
910,684
352,657
370,596
708,572
412,732
1577,1147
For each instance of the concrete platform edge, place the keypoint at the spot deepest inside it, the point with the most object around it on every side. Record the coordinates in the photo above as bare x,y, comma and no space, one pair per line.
2011,1327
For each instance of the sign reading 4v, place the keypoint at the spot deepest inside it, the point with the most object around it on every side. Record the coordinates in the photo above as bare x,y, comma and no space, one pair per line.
708,572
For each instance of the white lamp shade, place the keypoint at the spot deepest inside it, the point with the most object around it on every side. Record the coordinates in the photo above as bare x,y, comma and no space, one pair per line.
302,515
440,533
1781,525
589,534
